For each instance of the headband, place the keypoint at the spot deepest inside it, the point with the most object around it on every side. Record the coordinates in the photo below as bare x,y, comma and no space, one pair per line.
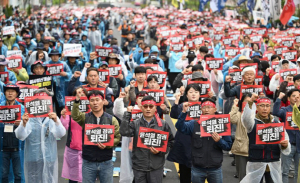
208,103
248,69
148,102
96,96
263,100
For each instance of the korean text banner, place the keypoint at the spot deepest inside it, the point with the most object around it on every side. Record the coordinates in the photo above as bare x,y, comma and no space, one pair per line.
136,114
149,137
9,114
194,111
42,81
94,134
158,95
289,123
72,50
54,69
272,133
26,91
215,123
84,105
38,106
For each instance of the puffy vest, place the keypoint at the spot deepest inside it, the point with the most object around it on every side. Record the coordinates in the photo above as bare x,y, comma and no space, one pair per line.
205,152
262,152
94,153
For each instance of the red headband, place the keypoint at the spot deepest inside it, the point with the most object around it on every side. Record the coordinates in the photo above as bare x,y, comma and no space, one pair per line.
96,96
208,103
148,102
141,95
263,100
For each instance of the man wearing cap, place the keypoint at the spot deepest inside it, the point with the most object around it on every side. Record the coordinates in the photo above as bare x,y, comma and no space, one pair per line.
147,164
128,44
12,79
86,43
294,135
264,160
38,68
207,152
34,55
47,46
30,44
23,48
76,63
95,37
248,75
97,160
39,134
60,83
11,149
3,48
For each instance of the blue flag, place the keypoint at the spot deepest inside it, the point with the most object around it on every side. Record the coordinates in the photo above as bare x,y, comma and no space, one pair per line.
240,2
251,5
221,4
202,3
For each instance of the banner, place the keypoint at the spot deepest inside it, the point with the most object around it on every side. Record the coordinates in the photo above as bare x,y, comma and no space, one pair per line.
8,30
205,87
177,47
259,80
219,123
268,54
42,81
158,95
103,51
194,111
214,63
149,137
162,76
54,69
289,123
115,70
232,52
254,65
26,91
290,55
275,8
278,49
94,134
265,4
4,77
251,89
70,50
38,106
272,133
14,62
104,75
187,76
9,114
10,53
284,73
136,114
236,75
84,104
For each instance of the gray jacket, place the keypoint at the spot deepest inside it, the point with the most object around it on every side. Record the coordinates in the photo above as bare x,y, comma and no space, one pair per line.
143,159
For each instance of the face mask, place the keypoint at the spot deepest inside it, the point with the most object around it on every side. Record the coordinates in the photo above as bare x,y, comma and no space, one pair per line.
294,25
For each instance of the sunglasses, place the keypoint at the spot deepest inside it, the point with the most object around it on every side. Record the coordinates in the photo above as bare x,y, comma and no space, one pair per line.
148,106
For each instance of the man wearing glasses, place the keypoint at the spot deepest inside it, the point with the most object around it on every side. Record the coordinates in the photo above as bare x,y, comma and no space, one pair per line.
207,152
147,164
264,159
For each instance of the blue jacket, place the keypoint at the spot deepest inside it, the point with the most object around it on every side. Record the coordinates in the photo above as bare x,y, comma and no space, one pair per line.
4,50
61,82
79,64
173,59
161,62
31,46
294,135
86,44
101,27
181,152
21,145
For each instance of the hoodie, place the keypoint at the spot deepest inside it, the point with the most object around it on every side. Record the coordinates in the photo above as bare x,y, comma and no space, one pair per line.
86,43
160,61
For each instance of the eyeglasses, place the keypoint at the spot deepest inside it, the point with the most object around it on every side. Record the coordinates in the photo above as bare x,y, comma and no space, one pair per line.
264,106
207,107
148,106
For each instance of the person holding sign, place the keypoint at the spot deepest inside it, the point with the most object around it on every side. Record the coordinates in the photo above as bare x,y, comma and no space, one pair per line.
39,134
294,135
207,152
9,40
3,48
147,163
264,160
12,79
96,157
59,82
12,149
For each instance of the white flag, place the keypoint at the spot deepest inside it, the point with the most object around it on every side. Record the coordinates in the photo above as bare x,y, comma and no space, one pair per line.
275,8
265,4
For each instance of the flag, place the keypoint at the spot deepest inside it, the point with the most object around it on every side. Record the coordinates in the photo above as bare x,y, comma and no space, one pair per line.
202,3
275,6
265,4
221,4
240,2
174,3
213,5
287,11
251,5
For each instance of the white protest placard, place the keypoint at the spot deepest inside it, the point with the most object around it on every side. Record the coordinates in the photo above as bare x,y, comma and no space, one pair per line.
8,30
13,53
71,50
